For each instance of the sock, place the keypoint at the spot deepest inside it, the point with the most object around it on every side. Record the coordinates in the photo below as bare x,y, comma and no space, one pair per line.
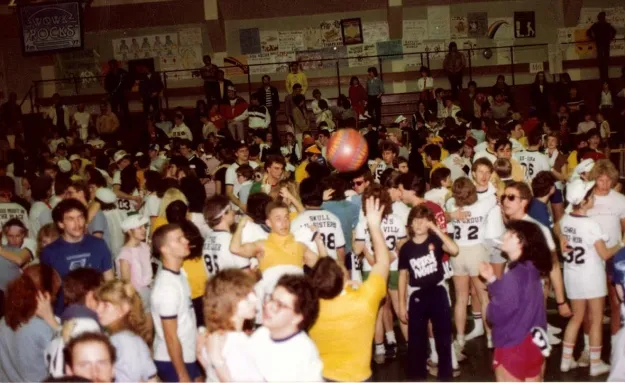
586,342
595,356
612,341
454,358
567,354
379,349
477,316
460,339
433,353
390,337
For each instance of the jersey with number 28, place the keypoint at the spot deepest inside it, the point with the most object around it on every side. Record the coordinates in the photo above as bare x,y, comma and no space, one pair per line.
217,256
393,229
328,226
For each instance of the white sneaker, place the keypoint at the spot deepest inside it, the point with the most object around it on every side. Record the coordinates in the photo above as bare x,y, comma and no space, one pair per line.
489,341
565,367
475,333
584,359
553,329
379,358
599,368
554,340
460,356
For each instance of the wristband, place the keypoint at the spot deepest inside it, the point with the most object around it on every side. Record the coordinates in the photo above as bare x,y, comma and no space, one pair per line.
561,303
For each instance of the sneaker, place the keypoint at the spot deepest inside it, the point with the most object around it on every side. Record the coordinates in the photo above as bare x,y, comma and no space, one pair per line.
433,370
599,368
460,356
489,341
554,340
379,358
475,333
391,351
572,364
584,359
553,329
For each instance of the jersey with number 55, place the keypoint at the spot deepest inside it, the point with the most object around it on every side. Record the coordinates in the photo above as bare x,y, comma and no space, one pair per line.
328,226
217,256
393,229
484,221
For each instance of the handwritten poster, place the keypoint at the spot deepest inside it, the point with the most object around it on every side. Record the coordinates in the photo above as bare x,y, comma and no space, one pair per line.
616,16
565,35
312,38
374,32
415,30
291,41
478,24
269,41
357,55
413,61
467,44
459,27
617,46
438,22
331,33
282,60
261,58
249,40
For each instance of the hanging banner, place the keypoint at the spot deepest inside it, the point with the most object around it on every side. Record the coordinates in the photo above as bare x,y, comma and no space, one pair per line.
617,46
588,16
466,44
374,32
291,41
503,54
51,27
390,47
261,58
306,59
616,16
582,48
436,50
282,60
357,55
415,30
438,22
459,27
331,33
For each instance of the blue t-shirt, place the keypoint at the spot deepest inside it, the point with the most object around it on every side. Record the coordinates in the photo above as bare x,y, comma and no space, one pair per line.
424,262
64,257
540,212
347,213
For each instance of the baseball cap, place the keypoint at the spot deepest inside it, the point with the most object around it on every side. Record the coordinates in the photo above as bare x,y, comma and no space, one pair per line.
64,166
308,141
154,147
120,155
74,157
470,142
139,154
106,195
583,167
313,149
577,190
133,221
400,118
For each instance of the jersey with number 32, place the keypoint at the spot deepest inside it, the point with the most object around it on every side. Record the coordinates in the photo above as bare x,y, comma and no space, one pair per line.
483,222
217,256
582,260
393,229
328,226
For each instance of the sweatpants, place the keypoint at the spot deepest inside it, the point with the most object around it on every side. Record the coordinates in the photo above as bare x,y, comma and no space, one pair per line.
425,305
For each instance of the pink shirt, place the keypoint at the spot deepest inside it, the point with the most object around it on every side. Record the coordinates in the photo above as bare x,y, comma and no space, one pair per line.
140,265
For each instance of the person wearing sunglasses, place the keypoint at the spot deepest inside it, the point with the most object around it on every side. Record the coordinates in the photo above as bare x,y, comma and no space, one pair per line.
281,346
515,202
360,181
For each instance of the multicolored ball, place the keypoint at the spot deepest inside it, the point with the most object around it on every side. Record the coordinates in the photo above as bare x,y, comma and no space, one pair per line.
347,150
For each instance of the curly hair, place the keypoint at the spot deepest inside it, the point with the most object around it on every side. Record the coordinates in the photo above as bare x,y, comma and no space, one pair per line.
534,246
377,191
119,293
464,192
306,301
21,293
222,294
604,167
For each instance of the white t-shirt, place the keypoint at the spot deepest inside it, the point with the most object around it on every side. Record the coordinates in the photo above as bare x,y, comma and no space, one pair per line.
253,232
608,211
584,272
239,360
379,169
151,205
128,205
217,256
401,210
492,157
294,359
393,230
533,162
182,132
114,219
328,225
171,298
10,210
437,195
231,176
455,163
484,222
36,209
200,222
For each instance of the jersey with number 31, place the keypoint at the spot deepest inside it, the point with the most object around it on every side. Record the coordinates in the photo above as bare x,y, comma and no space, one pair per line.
483,222
217,256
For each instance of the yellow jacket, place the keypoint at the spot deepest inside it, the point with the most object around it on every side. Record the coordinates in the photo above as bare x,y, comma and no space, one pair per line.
296,78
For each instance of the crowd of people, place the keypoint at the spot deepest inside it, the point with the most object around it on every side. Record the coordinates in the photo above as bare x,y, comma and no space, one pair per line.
223,248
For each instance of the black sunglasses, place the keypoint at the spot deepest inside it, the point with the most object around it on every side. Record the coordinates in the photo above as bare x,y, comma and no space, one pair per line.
509,197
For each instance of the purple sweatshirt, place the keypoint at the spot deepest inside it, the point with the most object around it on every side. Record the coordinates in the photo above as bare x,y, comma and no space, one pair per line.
516,305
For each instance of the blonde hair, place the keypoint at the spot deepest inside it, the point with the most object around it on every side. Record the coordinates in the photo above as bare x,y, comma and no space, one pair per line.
604,167
464,192
119,293
48,230
171,195
292,188
223,293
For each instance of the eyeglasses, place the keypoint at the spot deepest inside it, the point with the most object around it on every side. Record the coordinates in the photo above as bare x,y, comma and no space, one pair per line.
357,183
509,197
279,305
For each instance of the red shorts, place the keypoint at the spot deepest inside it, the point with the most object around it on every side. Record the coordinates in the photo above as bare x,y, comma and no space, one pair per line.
523,361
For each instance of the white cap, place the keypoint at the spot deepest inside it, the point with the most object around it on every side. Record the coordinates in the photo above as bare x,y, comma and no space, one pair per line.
133,221
106,195
138,154
74,157
64,166
584,166
400,119
577,190
120,155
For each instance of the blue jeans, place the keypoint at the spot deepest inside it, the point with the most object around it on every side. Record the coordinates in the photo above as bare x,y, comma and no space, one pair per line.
167,373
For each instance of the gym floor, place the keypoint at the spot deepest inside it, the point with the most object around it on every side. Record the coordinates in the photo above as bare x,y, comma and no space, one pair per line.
478,365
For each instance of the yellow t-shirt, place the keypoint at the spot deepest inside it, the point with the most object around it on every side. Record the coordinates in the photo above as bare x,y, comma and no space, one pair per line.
196,274
344,330
444,153
158,222
300,172
523,141
572,161
438,165
281,250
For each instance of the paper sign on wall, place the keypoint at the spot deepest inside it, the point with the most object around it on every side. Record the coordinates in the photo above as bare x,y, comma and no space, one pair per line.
588,16
291,41
374,32
617,46
503,54
357,55
459,27
436,50
536,67
331,33
438,22
312,38
190,36
478,24
269,41
415,30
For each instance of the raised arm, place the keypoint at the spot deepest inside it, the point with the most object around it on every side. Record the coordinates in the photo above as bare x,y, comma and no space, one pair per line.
247,250
380,250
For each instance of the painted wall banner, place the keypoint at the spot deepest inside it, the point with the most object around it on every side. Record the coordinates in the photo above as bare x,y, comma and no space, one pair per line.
47,28
524,24
269,41
501,28
478,24
331,33
459,27
358,55
390,47
249,40
588,16
190,36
